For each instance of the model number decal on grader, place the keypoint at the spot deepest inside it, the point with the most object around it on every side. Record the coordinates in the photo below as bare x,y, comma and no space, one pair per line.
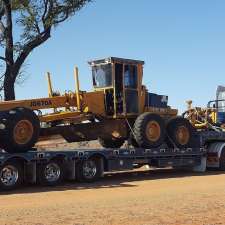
40,103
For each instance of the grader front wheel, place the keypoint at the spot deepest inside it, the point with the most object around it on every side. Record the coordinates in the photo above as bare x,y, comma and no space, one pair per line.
21,131
149,130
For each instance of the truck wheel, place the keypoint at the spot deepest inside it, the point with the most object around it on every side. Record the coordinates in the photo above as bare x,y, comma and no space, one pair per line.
11,176
111,143
180,133
89,170
149,130
50,173
21,132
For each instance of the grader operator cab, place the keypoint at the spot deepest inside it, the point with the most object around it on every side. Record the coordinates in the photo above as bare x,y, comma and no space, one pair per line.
121,81
119,108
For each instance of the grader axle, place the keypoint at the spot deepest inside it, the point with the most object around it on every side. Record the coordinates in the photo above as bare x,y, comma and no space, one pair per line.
119,108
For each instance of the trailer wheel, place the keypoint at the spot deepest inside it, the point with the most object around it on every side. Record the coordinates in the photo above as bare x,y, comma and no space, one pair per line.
180,133
111,143
21,132
11,176
89,170
50,173
149,130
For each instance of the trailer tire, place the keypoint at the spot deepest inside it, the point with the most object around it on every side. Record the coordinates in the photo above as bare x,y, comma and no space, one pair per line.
111,143
21,132
180,133
50,173
89,170
11,176
149,130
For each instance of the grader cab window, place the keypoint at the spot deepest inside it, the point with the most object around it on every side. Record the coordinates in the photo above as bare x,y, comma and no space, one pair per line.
102,76
130,76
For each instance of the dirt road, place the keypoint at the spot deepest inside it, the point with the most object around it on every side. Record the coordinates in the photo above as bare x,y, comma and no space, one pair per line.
143,197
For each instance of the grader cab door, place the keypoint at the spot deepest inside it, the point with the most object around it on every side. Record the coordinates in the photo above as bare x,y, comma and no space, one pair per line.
126,88
131,88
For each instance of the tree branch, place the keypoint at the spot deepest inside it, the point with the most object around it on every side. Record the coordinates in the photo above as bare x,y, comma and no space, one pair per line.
29,47
2,10
46,2
3,58
48,14
2,27
8,32
2,76
32,14
62,19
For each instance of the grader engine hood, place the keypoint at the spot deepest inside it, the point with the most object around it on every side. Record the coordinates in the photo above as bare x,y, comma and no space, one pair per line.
154,100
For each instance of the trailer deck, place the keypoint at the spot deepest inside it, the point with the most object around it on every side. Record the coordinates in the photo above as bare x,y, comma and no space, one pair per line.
51,167
88,165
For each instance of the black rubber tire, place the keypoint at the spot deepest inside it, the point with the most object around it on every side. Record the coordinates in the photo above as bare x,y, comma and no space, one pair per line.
173,125
132,141
222,160
111,143
41,173
80,172
7,141
140,126
19,180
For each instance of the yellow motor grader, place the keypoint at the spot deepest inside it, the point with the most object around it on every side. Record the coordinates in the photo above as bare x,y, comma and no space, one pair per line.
119,108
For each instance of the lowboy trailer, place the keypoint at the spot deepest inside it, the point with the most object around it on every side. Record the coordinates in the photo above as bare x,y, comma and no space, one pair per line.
87,165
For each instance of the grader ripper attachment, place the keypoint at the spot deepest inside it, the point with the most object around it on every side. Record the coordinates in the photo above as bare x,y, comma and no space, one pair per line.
211,117
119,108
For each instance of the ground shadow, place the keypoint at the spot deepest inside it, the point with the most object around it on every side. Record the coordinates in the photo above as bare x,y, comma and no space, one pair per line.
114,180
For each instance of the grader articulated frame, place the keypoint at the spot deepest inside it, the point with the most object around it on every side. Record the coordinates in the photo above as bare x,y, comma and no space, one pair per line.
119,108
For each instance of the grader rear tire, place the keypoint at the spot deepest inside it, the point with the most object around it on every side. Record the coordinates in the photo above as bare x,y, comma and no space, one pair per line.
21,131
180,133
149,130
133,141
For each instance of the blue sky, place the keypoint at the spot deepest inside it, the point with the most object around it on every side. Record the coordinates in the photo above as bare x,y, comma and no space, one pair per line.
182,44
